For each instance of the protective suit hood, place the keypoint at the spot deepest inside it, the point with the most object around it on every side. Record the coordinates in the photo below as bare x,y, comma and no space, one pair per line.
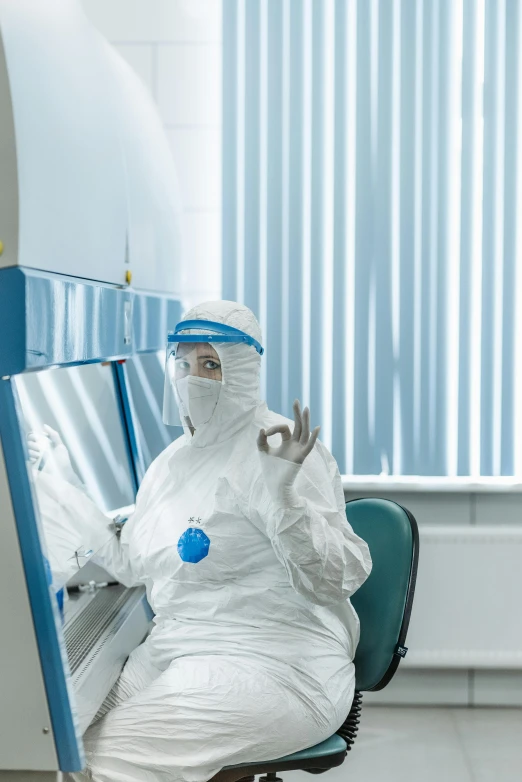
240,366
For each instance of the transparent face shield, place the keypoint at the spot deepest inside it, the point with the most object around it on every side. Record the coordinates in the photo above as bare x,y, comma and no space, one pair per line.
192,384
193,372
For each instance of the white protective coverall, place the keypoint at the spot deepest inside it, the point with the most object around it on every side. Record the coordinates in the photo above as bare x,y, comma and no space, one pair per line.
250,657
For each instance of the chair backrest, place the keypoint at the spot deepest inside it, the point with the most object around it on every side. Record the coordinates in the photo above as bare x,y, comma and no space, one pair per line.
384,601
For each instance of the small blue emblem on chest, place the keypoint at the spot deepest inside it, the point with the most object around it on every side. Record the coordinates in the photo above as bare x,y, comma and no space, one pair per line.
193,545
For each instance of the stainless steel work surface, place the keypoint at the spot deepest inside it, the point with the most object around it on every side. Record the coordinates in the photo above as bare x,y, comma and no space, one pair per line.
101,630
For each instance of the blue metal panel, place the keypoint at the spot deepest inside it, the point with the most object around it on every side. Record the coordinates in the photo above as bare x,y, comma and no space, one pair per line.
127,424
12,321
46,619
61,320
53,320
153,317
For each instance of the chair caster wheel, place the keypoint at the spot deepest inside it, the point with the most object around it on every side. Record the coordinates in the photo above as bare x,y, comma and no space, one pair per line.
270,777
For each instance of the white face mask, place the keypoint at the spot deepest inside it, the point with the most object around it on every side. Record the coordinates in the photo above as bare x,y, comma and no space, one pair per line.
199,397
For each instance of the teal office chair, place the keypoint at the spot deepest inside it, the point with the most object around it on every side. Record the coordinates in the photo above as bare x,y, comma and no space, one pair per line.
384,605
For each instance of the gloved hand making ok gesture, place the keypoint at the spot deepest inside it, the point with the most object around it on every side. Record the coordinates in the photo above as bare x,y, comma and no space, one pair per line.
295,446
281,464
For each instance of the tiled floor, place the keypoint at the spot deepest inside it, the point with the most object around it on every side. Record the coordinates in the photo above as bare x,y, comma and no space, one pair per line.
431,745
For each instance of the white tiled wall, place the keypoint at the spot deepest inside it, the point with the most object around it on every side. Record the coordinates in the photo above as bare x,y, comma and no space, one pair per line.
175,47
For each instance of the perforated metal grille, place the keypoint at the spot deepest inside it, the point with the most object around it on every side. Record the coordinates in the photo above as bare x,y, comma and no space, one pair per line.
90,630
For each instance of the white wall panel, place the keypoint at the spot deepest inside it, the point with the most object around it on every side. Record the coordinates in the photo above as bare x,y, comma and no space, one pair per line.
175,47
189,85
416,687
465,635
467,602
501,509
141,59
198,155
203,236
439,508
157,20
497,688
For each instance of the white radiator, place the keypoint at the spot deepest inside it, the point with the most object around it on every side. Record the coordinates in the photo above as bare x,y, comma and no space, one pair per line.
467,611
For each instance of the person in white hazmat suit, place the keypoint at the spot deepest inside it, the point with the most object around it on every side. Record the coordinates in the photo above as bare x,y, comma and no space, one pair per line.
241,539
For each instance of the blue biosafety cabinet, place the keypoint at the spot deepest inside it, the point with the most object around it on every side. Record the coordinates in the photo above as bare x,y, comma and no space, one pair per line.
90,267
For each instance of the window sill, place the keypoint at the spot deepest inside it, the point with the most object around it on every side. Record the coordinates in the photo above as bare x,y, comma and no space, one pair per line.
425,484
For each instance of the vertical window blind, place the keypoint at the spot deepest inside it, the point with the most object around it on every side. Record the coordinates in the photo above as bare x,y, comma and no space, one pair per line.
372,219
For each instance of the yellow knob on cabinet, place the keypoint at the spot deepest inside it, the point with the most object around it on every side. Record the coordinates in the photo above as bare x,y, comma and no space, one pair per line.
1,247
128,276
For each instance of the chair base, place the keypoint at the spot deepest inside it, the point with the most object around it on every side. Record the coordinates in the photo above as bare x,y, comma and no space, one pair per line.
238,773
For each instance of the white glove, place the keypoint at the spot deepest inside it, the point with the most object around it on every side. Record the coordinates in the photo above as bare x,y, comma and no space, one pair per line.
48,453
39,446
281,465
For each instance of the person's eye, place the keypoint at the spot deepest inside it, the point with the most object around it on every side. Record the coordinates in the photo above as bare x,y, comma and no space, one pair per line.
213,365
181,365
